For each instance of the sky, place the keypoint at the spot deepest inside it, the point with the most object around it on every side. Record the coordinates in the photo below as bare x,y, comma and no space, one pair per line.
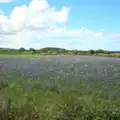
70,24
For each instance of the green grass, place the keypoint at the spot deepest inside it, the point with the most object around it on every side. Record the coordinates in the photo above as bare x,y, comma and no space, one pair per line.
57,98
61,106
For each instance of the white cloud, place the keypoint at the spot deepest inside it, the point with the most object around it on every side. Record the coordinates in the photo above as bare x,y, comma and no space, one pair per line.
37,25
36,16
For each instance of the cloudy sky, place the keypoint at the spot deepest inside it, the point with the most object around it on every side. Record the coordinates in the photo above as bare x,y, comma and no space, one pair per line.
70,24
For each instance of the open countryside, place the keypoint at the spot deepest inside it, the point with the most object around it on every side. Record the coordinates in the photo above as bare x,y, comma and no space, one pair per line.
59,59
59,87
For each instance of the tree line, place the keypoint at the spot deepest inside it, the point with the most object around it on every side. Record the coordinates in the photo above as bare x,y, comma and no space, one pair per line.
52,50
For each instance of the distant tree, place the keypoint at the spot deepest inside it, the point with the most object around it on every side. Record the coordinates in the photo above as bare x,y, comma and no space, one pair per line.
74,52
49,52
31,49
100,51
92,52
21,49
52,50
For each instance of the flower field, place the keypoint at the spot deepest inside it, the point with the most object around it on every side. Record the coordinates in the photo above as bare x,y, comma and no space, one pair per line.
64,87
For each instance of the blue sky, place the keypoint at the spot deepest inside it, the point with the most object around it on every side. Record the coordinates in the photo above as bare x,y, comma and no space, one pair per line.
73,24
92,14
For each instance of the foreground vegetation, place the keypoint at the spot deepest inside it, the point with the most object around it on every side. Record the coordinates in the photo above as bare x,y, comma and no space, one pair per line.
57,51
25,97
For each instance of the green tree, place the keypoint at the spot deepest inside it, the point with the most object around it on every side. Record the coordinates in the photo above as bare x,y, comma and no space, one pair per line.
99,51
21,49
92,52
32,49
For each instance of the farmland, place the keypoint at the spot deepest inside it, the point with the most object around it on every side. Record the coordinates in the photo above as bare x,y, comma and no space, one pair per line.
65,87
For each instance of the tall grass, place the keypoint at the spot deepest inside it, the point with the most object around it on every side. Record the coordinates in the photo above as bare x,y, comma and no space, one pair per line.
59,97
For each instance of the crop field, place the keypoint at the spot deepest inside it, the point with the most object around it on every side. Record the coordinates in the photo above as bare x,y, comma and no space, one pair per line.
59,88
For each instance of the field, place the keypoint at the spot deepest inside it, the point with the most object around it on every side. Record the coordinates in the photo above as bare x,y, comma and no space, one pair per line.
55,87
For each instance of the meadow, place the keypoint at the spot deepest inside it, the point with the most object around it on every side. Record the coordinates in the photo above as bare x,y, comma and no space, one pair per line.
59,87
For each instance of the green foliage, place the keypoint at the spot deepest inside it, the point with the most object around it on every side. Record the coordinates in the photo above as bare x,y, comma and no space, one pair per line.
31,49
92,52
55,50
77,110
25,112
3,84
21,49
